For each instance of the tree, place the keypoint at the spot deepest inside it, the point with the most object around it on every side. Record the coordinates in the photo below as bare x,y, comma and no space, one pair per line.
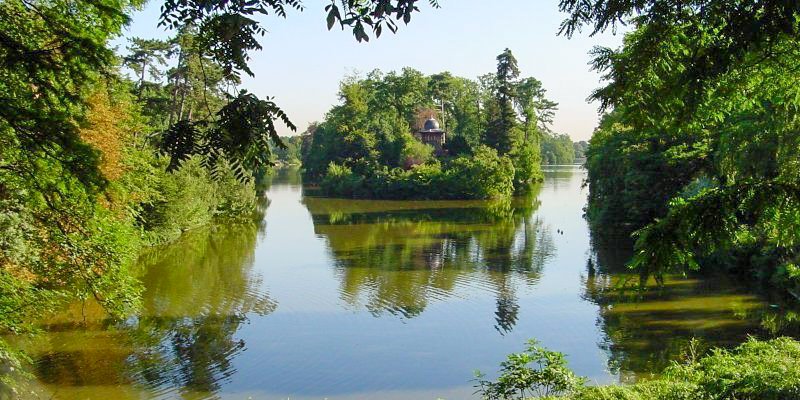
440,87
145,55
500,134
537,111
705,126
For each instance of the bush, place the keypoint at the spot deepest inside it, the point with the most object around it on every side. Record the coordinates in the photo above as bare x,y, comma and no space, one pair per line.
485,175
415,152
482,176
536,371
187,200
756,370
340,181
189,197
527,166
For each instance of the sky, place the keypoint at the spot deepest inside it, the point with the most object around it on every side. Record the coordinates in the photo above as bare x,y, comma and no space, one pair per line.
302,62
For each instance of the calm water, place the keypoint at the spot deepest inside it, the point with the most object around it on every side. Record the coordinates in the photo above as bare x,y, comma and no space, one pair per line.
347,299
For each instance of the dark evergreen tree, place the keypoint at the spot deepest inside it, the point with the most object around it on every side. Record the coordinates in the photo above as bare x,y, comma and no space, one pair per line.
501,133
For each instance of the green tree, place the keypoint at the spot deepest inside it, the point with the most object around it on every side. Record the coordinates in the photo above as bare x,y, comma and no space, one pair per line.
537,111
704,131
145,55
501,134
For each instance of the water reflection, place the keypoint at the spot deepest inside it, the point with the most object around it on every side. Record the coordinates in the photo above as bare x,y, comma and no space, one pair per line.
646,328
396,257
382,299
199,292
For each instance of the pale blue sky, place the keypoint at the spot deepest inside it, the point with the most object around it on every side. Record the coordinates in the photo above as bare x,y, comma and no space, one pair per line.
302,62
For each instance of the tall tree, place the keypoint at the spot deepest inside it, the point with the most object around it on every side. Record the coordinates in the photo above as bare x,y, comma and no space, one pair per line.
537,111
145,55
501,132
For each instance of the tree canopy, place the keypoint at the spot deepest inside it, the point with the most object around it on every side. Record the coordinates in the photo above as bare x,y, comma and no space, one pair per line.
366,148
699,151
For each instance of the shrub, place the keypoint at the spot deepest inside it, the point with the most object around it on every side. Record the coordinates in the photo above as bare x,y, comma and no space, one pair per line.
341,181
764,370
536,371
756,370
484,175
187,200
527,166
415,152
235,200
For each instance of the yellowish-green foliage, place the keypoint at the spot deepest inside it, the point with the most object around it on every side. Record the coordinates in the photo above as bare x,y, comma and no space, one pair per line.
104,132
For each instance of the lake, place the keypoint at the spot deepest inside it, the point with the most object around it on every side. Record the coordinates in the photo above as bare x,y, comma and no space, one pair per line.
360,299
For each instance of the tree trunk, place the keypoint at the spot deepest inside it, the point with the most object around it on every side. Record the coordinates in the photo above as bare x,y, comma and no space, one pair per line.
141,80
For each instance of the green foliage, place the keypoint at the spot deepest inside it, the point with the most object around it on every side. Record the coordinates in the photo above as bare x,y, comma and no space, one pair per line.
290,154
415,152
341,181
484,175
536,109
700,155
374,14
527,166
557,149
189,197
243,132
763,370
369,134
535,372
502,133
145,55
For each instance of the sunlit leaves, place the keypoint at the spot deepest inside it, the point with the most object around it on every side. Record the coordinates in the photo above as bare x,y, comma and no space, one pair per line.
536,372
702,91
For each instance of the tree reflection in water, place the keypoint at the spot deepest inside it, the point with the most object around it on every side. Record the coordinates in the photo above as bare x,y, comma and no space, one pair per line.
396,257
199,292
646,328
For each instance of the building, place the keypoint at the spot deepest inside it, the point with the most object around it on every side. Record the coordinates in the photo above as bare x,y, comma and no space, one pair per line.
430,134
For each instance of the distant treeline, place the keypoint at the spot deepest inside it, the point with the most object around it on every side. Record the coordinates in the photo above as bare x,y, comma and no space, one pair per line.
555,149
